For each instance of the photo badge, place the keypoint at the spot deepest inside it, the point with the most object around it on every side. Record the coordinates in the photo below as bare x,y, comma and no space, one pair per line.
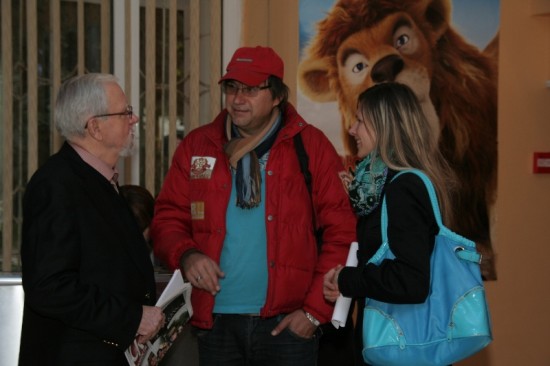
202,167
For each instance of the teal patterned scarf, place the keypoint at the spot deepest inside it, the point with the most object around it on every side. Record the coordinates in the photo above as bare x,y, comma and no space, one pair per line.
365,190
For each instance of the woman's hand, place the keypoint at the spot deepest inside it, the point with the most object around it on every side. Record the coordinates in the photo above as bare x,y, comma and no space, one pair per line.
330,284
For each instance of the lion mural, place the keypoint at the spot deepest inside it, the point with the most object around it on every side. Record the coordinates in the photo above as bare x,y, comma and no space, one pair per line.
364,42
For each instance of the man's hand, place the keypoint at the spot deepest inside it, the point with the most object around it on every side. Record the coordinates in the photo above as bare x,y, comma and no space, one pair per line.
298,323
152,319
202,272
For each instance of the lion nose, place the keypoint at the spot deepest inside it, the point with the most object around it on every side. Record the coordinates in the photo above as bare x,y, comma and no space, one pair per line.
387,68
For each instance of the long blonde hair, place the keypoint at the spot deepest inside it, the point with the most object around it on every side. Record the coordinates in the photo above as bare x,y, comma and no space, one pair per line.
404,138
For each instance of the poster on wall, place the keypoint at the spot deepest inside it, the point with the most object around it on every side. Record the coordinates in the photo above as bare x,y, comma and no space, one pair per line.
452,43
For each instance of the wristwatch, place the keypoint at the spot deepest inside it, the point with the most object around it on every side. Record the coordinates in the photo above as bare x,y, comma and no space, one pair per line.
312,319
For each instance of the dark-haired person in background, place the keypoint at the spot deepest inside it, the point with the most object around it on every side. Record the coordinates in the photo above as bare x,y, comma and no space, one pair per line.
142,204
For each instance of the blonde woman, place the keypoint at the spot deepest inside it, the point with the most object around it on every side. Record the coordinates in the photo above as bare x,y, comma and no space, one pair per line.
392,134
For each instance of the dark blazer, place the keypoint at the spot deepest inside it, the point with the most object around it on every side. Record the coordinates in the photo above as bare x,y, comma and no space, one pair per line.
86,267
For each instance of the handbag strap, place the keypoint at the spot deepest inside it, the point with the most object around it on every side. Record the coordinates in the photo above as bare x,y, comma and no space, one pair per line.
466,250
431,193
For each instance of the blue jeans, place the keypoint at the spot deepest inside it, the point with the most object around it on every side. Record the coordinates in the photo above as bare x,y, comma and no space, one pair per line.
243,340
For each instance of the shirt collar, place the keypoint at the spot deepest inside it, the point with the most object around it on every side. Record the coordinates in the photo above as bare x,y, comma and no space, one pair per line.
96,163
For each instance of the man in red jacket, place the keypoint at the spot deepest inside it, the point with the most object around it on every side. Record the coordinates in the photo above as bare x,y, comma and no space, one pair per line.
235,215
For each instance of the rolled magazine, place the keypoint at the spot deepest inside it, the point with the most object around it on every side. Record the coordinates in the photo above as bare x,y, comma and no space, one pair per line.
176,304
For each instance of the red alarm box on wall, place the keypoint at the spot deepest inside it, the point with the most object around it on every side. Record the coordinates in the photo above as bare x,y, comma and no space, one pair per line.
541,162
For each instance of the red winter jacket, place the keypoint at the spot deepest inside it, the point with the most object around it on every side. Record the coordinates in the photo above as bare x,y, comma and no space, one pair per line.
190,214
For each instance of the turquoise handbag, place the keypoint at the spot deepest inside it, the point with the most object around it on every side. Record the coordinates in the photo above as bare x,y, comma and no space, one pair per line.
452,324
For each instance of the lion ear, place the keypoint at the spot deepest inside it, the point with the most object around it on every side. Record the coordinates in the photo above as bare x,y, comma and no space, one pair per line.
313,78
437,14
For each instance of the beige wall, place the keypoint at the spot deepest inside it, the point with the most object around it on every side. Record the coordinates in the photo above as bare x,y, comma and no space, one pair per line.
274,23
520,298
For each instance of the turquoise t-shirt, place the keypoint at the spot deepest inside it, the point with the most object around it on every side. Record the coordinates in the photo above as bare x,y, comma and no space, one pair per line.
244,258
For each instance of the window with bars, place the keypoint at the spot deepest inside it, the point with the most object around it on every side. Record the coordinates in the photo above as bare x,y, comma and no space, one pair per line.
166,53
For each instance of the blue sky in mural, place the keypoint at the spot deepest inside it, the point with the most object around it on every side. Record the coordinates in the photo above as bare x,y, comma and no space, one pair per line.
475,20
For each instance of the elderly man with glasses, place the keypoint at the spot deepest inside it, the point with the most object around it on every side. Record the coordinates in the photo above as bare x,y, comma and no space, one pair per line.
236,216
88,279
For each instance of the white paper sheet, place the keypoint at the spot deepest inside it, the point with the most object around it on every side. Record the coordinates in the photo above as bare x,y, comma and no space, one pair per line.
341,308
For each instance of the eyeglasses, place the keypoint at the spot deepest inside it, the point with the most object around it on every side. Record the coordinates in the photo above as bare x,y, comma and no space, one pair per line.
247,91
129,113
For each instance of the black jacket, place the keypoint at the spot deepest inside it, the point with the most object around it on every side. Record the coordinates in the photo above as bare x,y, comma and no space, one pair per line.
86,267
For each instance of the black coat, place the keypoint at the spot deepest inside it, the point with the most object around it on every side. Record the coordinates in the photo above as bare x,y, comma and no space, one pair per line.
86,267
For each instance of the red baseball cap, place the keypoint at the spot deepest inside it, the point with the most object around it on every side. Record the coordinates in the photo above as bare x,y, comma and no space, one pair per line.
253,65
